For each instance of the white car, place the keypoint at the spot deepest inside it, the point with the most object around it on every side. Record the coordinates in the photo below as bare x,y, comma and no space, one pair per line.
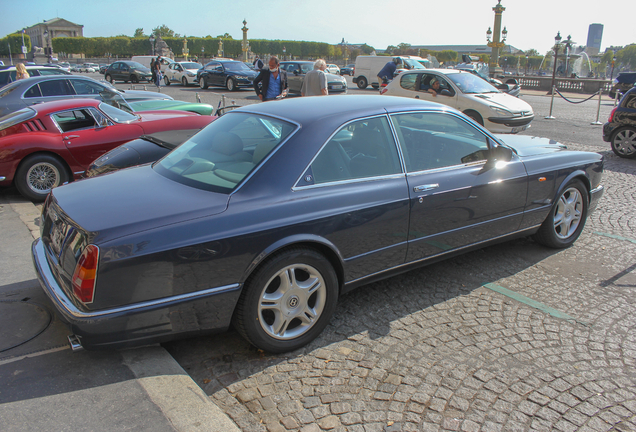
333,69
496,111
184,73
89,67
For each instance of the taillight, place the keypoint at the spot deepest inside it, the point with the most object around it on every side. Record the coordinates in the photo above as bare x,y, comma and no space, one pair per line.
611,117
85,274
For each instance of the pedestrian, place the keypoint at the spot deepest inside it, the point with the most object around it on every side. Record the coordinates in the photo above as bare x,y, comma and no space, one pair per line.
273,82
158,73
315,82
21,72
386,73
258,64
152,70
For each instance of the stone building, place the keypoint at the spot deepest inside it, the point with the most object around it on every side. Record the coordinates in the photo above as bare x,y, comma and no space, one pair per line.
56,27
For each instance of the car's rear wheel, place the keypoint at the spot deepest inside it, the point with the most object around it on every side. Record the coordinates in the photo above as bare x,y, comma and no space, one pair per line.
624,142
475,116
203,83
184,81
38,174
288,301
362,83
230,84
134,79
567,217
109,78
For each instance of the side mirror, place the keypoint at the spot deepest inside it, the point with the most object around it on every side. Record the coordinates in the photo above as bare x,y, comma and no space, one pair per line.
501,153
446,92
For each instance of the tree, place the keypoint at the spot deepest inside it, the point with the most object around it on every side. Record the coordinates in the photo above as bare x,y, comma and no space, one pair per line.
163,31
532,52
390,49
367,49
139,33
224,36
627,56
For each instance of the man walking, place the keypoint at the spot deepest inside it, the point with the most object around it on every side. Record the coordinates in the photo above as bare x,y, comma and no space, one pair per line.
315,82
273,80
258,64
386,73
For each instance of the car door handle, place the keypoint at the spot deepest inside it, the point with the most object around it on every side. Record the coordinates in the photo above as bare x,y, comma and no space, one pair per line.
68,137
426,187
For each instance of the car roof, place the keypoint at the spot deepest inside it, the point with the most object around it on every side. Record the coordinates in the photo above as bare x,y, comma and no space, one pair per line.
439,71
56,77
28,67
65,104
309,109
298,61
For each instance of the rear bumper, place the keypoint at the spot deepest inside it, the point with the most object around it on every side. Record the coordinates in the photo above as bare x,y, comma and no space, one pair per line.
139,323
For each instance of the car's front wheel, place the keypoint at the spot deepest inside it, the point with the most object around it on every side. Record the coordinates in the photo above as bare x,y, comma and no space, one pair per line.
38,174
109,78
134,79
203,83
184,81
567,217
624,142
288,301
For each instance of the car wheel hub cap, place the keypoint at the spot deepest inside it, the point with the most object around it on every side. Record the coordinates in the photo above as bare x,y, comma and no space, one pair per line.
567,214
625,142
42,177
292,301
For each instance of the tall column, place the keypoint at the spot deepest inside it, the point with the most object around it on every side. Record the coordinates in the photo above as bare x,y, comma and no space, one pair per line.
245,45
497,43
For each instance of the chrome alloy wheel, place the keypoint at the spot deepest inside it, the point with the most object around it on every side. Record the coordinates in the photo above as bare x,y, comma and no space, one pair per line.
567,213
625,142
42,177
292,301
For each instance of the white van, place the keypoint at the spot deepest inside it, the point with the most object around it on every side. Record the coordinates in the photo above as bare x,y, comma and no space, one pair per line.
368,67
146,59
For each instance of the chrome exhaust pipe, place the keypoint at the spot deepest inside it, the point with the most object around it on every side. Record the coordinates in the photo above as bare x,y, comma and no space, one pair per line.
75,343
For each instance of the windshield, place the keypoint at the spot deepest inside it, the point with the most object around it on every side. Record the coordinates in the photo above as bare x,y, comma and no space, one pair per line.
236,67
471,84
116,114
191,65
115,100
224,153
413,64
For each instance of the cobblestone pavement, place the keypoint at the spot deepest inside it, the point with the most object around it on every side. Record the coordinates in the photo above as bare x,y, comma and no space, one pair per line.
434,349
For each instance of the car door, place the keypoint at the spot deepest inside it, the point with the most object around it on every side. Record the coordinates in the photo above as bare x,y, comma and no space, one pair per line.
357,186
423,84
115,71
460,195
294,77
88,134
48,91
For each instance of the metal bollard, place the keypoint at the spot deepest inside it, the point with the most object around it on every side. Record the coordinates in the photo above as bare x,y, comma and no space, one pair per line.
550,117
223,98
598,109
198,97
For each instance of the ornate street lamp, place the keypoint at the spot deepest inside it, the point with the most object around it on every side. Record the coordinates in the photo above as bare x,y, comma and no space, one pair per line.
498,40
46,48
557,44
613,63
527,64
202,55
220,51
152,43
245,44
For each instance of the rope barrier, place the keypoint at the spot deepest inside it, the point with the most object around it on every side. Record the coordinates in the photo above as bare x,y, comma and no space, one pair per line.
585,100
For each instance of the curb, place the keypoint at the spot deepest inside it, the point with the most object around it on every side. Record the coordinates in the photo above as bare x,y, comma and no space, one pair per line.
179,398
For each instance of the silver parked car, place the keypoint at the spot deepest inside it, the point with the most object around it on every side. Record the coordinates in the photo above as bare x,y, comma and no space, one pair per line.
26,92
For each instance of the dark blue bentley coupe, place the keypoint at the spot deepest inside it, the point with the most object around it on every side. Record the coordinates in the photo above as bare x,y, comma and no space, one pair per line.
269,214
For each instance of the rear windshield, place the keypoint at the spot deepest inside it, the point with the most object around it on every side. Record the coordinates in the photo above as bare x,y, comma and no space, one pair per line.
16,117
191,65
224,153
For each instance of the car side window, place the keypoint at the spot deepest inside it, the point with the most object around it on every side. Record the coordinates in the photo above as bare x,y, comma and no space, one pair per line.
115,66
74,120
425,83
630,101
407,81
45,72
56,87
438,140
361,149
83,87
33,91
306,68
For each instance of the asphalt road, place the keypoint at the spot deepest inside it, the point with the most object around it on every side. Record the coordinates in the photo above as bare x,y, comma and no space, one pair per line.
512,337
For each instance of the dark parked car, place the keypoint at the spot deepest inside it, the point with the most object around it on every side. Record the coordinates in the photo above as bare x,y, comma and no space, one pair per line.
230,74
270,213
296,71
27,92
7,73
620,129
622,83
348,69
127,71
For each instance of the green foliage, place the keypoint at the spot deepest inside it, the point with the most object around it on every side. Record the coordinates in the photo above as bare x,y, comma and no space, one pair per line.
164,31
446,56
367,49
15,41
139,33
627,56
532,52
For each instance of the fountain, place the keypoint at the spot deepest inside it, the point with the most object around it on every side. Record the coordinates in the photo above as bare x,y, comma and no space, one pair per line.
577,65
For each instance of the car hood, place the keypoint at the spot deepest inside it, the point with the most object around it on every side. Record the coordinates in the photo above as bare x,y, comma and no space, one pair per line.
334,77
143,95
163,114
503,100
133,200
162,104
531,146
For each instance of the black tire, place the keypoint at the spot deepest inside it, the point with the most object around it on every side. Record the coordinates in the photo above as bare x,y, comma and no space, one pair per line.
624,142
230,84
309,299
184,81
362,83
567,217
166,80
134,79
475,116
203,83
38,174
109,78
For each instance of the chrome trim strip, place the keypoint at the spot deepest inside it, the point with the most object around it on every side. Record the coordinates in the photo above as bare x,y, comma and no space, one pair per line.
55,292
440,254
341,182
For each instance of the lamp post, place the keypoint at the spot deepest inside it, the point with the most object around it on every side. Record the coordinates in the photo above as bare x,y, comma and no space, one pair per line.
202,55
46,48
557,44
152,43
24,50
245,44
220,51
498,39
527,64
612,73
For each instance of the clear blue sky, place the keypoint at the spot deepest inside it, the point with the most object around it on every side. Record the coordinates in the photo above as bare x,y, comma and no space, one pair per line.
530,24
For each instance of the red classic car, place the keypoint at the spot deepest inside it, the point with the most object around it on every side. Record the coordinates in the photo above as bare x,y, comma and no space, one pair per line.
52,143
